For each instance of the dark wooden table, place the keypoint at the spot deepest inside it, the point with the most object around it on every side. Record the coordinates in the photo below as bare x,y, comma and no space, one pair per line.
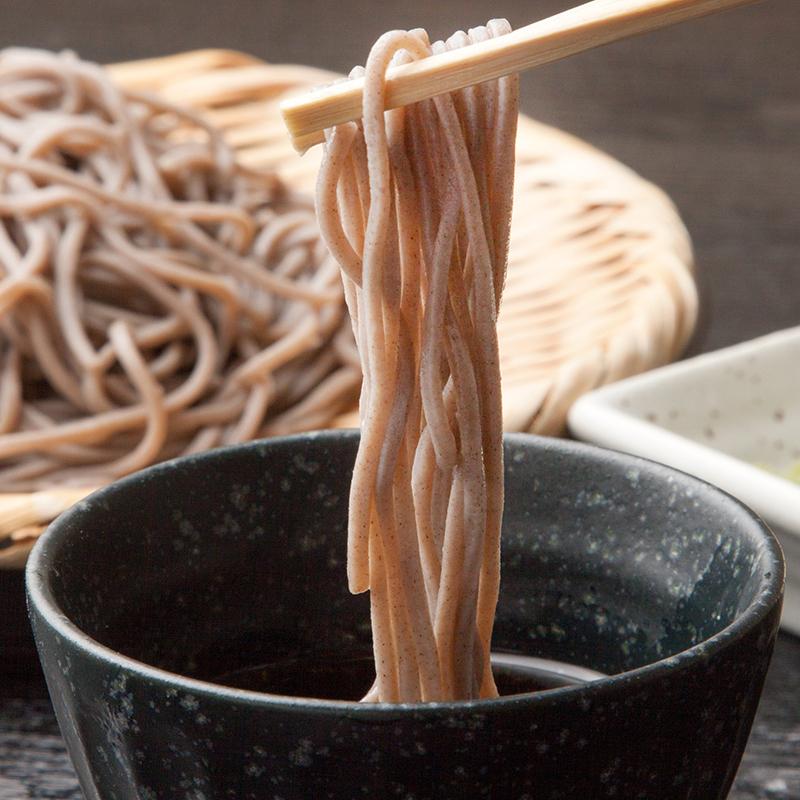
710,111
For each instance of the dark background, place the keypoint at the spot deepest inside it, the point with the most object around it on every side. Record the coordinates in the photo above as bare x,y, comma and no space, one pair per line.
709,110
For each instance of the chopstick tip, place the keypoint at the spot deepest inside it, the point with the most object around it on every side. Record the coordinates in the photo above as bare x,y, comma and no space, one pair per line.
291,115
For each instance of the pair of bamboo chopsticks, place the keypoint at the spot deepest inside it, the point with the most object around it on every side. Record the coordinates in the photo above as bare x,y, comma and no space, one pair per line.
581,28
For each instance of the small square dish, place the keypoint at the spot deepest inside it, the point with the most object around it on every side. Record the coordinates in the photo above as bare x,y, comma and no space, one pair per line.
731,417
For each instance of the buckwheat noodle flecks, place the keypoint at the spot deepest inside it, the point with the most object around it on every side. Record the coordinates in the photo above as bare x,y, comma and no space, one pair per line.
415,204
155,297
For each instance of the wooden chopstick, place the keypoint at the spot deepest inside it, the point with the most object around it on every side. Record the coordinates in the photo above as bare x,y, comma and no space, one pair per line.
581,28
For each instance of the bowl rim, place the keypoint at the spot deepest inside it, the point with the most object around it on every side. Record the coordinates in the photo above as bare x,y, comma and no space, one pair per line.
43,604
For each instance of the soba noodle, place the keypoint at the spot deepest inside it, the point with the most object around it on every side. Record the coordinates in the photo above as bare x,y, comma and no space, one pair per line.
415,204
155,297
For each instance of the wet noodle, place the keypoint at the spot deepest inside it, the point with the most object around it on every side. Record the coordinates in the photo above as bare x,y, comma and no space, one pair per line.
415,204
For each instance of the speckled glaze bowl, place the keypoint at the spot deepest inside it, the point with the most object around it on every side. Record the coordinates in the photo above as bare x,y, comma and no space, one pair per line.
206,564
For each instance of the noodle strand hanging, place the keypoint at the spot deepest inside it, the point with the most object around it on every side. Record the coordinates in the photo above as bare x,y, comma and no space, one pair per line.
415,205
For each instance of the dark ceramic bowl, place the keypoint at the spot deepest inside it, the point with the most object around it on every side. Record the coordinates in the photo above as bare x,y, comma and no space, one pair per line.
145,594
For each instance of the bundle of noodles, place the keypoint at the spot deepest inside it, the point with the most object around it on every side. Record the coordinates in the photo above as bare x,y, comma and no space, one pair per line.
415,203
155,297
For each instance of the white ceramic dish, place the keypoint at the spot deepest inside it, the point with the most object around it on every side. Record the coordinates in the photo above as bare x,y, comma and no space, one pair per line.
731,417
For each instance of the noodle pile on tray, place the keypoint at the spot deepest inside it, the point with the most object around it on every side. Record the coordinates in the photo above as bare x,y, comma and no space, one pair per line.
415,203
155,297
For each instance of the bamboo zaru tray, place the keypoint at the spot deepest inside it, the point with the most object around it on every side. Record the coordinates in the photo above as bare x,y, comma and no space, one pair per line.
600,282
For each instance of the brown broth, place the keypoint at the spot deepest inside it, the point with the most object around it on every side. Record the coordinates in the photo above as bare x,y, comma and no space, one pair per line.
349,677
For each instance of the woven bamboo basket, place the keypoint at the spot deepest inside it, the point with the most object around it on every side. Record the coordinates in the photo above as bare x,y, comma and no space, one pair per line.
600,279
